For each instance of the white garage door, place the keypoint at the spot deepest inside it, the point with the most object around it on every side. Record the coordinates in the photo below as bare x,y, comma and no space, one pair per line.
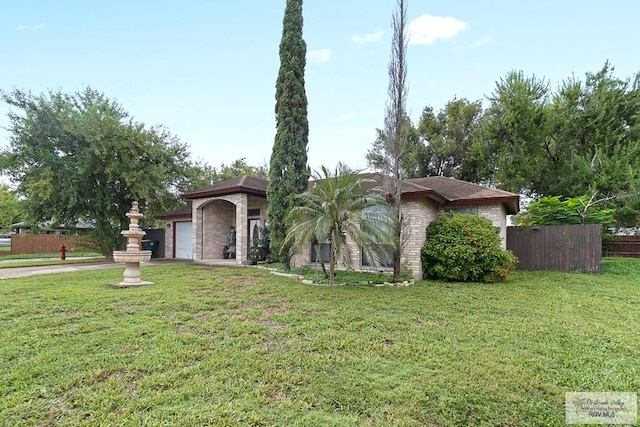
184,238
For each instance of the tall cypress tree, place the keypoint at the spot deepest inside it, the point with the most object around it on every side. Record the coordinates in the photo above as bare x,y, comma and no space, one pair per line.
288,172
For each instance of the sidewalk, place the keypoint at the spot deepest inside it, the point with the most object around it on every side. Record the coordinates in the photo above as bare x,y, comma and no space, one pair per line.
15,272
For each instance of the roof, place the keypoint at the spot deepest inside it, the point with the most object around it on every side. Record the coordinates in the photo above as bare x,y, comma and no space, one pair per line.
182,212
456,192
443,190
242,184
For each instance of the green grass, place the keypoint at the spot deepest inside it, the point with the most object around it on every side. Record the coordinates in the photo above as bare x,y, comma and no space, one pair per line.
5,249
47,255
240,346
36,261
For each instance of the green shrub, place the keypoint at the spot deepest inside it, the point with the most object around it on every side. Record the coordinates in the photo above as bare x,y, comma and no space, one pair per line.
465,248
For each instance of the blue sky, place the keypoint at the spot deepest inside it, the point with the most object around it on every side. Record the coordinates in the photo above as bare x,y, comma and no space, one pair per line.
207,69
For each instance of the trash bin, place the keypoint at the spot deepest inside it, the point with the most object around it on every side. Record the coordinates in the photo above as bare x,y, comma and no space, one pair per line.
151,245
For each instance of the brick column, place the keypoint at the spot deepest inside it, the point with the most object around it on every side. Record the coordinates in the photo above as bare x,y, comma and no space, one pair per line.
197,218
242,234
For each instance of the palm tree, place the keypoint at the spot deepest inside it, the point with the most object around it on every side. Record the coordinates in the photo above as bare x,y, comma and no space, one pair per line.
340,204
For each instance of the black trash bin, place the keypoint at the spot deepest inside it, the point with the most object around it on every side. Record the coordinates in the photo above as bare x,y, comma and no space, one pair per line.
151,245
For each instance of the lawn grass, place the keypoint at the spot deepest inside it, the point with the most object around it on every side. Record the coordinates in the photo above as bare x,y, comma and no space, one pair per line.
47,255
239,346
39,260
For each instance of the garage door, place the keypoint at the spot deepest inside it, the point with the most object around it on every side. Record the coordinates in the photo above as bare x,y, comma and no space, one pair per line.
184,239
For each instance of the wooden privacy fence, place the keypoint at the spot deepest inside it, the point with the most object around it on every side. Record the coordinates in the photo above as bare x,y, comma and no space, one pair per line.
626,246
574,248
43,243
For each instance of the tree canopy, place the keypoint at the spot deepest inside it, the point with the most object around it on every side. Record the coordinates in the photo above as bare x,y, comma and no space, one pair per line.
580,138
9,208
556,210
203,174
82,157
448,137
288,171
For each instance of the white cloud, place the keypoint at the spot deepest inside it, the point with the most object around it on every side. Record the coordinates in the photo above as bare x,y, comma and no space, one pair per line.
368,38
30,27
426,29
319,56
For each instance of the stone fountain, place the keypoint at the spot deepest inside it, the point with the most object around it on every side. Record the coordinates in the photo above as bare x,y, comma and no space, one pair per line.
133,256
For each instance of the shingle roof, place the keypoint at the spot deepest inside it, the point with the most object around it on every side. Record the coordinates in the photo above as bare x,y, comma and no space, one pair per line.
443,190
458,192
242,184
448,191
182,212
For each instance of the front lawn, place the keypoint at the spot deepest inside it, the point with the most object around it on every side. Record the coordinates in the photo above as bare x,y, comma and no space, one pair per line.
239,346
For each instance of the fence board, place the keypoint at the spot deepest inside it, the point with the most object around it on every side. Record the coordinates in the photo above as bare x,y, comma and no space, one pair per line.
42,243
573,248
624,246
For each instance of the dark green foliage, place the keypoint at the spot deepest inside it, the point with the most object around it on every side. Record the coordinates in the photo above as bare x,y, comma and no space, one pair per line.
203,174
288,171
556,211
582,138
81,157
465,248
9,208
515,127
448,137
414,161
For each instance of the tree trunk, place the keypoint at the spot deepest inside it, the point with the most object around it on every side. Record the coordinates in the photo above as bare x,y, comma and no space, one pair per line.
332,262
398,252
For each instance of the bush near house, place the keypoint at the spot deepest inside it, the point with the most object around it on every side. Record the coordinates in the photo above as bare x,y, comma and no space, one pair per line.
465,248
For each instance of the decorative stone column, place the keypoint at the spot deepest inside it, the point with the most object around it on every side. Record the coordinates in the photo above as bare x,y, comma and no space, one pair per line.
133,256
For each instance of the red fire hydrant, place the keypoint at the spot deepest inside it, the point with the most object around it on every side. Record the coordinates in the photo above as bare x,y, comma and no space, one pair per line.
63,252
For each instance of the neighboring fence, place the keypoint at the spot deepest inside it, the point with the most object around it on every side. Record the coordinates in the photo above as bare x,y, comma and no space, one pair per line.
574,248
625,246
43,243
50,243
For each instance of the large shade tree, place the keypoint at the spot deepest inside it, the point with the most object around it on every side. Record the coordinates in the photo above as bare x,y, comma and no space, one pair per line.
581,140
288,171
341,205
203,174
82,157
9,208
448,137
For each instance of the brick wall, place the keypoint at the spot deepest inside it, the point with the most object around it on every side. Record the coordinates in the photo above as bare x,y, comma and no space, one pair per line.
417,214
497,214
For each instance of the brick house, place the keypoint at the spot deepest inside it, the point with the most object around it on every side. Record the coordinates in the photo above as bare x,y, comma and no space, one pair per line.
202,231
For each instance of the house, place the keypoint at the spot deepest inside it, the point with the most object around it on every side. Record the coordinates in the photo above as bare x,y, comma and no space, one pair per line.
228,214
218,213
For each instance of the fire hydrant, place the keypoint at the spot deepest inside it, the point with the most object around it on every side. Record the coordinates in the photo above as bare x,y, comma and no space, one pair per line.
63,252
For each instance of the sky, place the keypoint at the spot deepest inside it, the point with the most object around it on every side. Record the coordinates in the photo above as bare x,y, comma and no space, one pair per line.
206,69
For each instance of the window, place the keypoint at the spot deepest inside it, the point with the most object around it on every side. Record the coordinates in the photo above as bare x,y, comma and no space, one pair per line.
324,253
462,209
383,254
383,257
